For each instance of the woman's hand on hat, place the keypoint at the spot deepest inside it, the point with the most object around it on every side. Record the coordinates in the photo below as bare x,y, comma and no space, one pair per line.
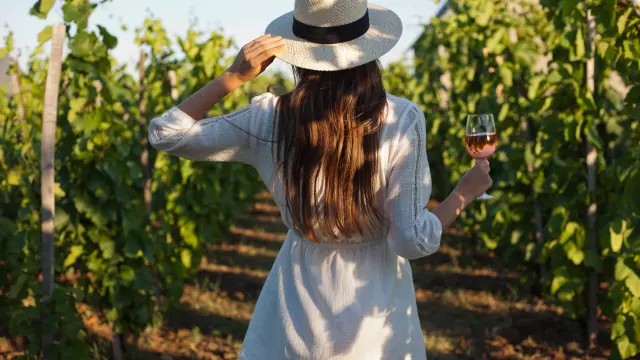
255,57
250,62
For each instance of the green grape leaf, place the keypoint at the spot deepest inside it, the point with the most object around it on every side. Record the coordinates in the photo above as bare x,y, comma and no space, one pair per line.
74,254
568,6
547,104
187,231
13,176
626,348
633,283
485,14
610,10
557,283
621,270
622,20
556,223
507,76
185,257
186,169
76,105
628,170
616,233
17,289
78,13
107,245
109,40
593,137
494,43
489,242
579,45
569,231
89,122
41,8
127,274
515,236
504,112
529,158
533,87
618,329
574,253
58,192
45,35
635,306
626,274
62,219
112,315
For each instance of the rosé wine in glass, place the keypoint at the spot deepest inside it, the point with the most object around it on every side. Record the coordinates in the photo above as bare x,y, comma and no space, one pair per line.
481,145
481,139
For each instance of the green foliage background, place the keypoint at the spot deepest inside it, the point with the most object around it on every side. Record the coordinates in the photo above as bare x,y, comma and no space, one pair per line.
526,63
109,253
484,56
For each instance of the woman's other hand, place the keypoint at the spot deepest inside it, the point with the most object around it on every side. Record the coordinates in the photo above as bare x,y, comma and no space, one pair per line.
475,182
254,58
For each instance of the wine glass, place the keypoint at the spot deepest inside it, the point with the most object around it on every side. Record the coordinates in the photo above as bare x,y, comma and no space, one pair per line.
481,139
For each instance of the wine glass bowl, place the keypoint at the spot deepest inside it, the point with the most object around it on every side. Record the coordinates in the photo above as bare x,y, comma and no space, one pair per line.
481,145
481,139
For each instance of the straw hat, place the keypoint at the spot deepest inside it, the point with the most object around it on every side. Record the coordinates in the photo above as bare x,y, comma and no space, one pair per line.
331,35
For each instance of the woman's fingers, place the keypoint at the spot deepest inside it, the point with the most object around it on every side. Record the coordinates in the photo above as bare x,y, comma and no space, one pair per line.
255,41
483,164
264,39
266,49
269,53
264,45
247,48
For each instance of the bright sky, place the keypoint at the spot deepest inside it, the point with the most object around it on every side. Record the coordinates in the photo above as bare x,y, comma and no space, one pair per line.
241,19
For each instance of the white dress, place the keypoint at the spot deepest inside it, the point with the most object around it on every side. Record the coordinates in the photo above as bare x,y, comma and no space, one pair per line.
352,299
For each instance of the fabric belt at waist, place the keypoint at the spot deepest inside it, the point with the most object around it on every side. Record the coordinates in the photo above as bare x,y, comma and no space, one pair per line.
336,245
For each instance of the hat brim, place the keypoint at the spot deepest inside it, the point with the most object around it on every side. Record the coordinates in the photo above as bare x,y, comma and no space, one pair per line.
384,32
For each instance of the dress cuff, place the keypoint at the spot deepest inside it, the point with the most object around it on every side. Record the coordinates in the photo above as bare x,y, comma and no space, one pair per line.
170,127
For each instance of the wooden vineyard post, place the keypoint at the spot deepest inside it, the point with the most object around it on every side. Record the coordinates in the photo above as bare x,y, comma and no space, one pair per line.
173,80
592,300
98,86
47,162
116,344
144,140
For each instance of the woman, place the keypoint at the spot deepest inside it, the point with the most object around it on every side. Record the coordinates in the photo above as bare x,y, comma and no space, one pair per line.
347,165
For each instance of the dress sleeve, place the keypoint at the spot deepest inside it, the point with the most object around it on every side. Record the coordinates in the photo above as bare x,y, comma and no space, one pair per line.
230,137
414,231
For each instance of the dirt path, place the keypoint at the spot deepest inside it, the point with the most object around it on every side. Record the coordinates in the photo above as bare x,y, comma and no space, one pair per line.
470,308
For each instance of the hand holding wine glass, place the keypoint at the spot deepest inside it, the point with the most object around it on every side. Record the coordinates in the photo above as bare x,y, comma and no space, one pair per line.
475,181
481,140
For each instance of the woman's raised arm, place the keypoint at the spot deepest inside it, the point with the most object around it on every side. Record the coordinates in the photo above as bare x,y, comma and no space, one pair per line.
251,61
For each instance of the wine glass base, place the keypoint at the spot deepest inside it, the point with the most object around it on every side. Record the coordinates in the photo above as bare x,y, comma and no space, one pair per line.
485,197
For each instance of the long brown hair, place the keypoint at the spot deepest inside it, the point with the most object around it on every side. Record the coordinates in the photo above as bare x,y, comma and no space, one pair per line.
328,135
